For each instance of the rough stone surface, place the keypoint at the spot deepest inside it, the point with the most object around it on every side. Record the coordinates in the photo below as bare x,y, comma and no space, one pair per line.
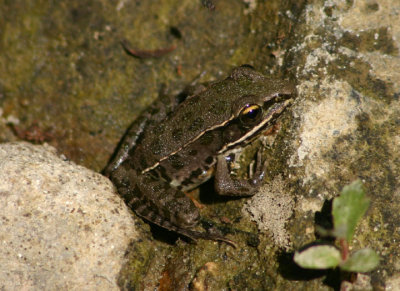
271,208
347,122
345,126
64,57
61,225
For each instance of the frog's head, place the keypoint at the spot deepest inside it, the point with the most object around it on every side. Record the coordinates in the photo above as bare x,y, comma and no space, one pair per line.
258,101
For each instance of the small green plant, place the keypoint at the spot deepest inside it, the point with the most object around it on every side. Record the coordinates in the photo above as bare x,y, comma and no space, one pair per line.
347,210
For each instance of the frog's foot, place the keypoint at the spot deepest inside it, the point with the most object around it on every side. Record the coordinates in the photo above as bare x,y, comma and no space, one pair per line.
159,204
194,235
228,186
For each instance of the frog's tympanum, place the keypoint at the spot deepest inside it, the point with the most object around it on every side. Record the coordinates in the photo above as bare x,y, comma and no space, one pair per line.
173,148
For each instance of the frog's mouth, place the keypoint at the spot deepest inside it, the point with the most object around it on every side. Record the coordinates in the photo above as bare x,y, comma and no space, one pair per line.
273,106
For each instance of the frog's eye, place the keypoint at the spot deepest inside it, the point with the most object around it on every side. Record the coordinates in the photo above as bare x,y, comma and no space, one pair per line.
250,114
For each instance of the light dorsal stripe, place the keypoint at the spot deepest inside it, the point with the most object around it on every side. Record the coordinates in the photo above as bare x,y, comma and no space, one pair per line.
187,144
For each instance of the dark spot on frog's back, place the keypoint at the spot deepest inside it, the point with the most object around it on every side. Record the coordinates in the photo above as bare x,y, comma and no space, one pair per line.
219,107
193,152
197,124
177,134
196,173
143,162
156,146
207,138
186,116
209,160
161,170
176,162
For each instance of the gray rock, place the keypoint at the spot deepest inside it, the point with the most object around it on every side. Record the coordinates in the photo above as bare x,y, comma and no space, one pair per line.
271,208
345,126
62,225
347,123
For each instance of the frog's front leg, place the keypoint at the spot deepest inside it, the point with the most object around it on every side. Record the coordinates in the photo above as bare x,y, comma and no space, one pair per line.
227,185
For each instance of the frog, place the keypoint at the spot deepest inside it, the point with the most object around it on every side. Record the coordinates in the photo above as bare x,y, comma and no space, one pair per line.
176,146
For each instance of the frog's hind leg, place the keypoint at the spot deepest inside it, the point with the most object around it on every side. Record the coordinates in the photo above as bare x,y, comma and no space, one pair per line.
157,202
154,199
151,216
168,220
194,235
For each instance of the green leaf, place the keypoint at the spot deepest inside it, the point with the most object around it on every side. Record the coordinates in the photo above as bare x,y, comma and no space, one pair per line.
347,210
318,257
361,261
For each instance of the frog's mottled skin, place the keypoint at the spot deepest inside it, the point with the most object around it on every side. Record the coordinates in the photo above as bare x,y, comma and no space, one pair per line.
173,149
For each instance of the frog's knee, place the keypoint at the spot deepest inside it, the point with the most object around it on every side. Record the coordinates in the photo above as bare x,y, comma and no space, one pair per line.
188,218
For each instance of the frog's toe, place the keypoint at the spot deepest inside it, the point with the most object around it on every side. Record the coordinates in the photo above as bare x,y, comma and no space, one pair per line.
194,235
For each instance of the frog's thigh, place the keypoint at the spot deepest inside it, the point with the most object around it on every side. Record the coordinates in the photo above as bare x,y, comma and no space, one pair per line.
162,204
227,185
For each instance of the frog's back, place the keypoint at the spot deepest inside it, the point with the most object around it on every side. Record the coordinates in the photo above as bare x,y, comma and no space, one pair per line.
190,120
198,114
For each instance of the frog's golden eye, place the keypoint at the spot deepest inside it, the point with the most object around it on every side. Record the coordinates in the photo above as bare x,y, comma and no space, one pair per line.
250,114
